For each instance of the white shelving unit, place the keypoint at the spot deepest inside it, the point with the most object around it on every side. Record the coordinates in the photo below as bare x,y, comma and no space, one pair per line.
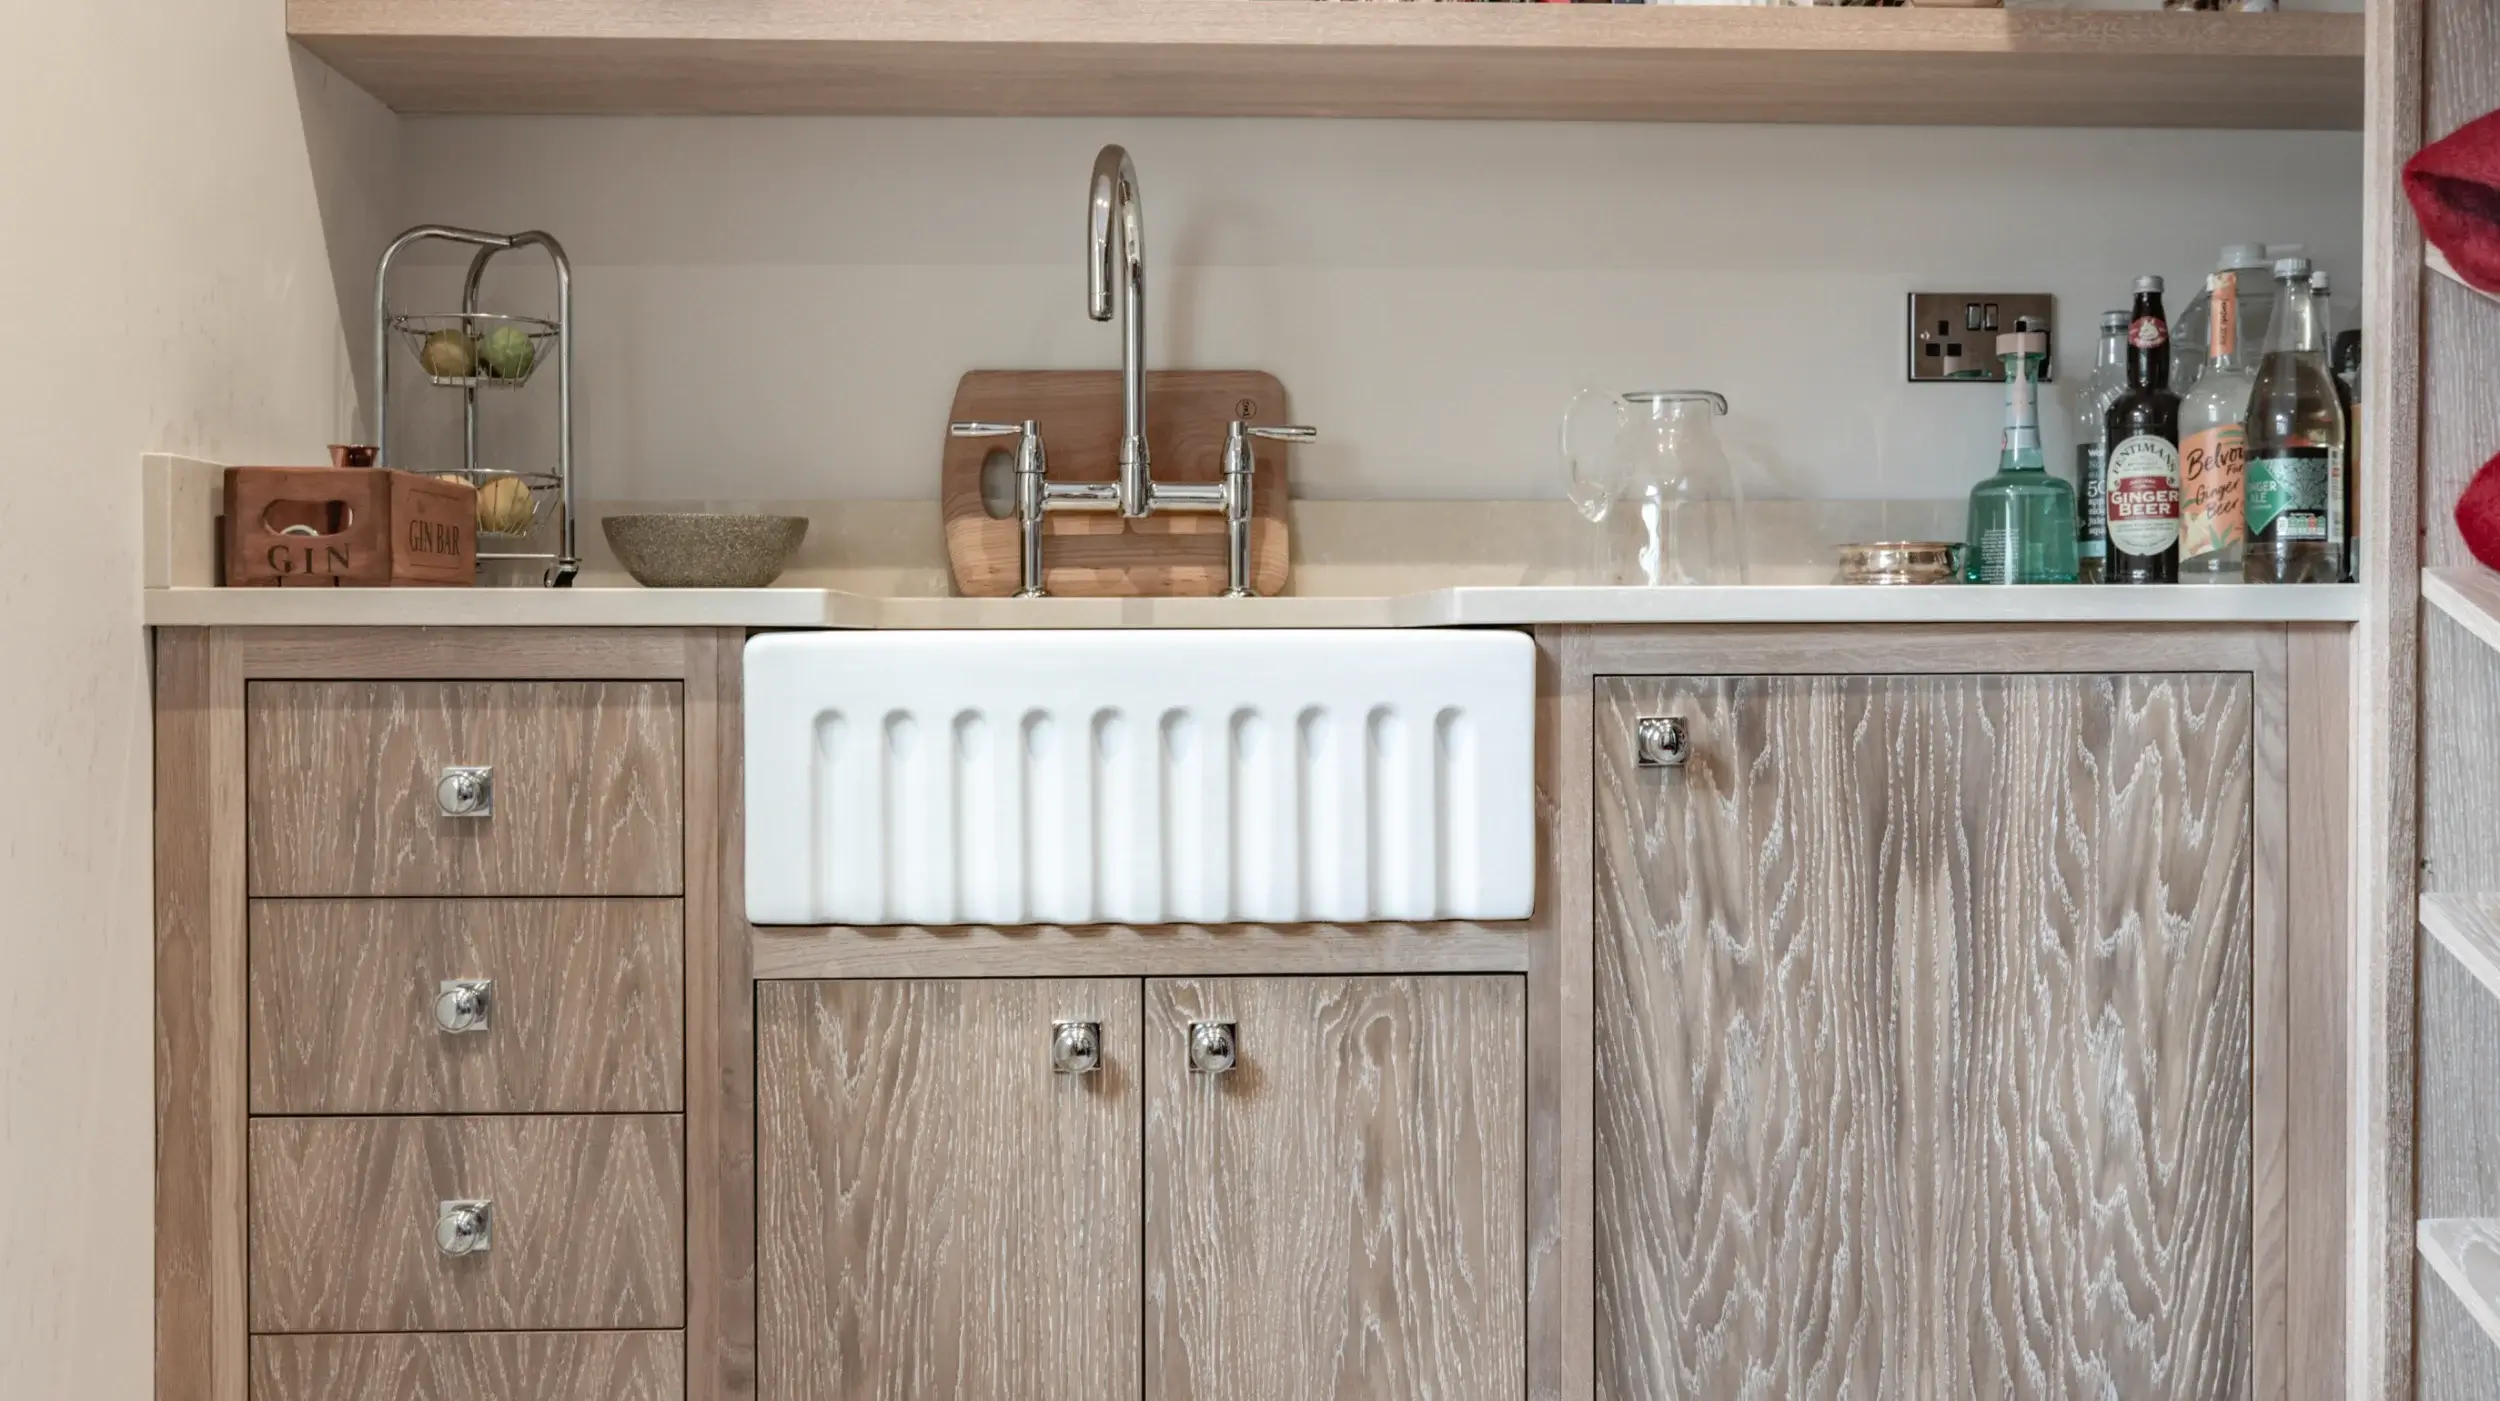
2468,594
2465,1254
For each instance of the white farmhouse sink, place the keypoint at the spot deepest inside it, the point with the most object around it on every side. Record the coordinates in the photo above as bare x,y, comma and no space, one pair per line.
1139,777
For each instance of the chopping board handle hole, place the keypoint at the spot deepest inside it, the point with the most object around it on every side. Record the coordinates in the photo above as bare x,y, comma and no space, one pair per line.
998,484
1247,410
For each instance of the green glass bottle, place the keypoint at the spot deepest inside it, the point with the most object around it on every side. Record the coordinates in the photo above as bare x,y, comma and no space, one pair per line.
2022,520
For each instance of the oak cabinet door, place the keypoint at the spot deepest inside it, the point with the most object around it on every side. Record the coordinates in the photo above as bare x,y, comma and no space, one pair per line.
1340,1213
941,1213
1922,1034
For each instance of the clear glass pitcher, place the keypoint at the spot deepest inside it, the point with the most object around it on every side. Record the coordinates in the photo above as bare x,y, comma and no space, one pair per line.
1647,470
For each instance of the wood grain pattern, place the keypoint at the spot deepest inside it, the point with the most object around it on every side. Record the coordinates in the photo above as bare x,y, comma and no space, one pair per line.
588,779
2268,920
2317,1062
2460,738
1096,555
2467,926
459,653
1342,1214
588,1010
199,1027
2465,1254
1231,58
1561,1037
940,1214
1128,950
1923,1038
720,1031
470,1367
2386,796
2458,1158
589,1228
1821,649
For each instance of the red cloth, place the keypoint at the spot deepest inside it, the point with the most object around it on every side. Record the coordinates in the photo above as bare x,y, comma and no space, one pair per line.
2454,184
2478,514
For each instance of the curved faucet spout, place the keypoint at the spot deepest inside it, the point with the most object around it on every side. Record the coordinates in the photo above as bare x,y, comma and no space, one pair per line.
1115,206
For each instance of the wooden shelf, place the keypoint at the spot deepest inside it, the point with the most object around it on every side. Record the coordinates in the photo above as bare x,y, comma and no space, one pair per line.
1306,58
2439,263
2468,594
2468,927
2465,1254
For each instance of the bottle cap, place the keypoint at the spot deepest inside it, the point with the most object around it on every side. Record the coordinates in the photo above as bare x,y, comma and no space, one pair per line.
2113,321
2318,282
2294,268
2023,343
2241,255
2147,284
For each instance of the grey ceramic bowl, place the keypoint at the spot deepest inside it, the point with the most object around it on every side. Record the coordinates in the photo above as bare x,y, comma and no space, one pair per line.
688,551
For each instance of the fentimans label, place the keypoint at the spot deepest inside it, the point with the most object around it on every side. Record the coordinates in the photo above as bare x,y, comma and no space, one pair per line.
2143,476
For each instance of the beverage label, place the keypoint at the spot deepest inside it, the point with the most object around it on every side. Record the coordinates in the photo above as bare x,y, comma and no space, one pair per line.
2287,492
2224,287
2144,495
2338,529
2210,485
2148,333
2092,521
1998,548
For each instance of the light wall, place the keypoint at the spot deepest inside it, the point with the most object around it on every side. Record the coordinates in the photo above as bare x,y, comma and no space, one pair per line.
780,308
171,181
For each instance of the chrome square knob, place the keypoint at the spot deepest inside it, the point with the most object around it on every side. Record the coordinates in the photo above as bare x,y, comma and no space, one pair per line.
466,790
1213,1048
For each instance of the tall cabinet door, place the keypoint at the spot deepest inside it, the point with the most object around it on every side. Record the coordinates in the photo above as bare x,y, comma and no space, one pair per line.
942,1210
1341,1213
1923,1018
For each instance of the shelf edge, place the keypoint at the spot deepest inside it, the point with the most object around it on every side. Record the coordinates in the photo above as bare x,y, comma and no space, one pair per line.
2449,1246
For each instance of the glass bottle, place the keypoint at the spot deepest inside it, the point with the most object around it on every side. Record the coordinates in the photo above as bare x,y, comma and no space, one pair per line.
2022,520
2213,440
2346,361
2142,471
2109,379
2191,331
2295,447
2323,293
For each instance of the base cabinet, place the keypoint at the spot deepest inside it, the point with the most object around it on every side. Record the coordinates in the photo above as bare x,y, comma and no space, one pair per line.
1335,1209
1923,1037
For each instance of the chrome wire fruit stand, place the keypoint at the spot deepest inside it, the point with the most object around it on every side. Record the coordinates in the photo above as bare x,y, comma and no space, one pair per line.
470,350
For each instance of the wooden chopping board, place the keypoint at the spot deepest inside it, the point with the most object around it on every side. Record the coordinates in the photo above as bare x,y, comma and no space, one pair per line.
1090,555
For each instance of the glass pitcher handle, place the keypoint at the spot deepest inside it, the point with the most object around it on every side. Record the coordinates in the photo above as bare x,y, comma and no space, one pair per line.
1587,435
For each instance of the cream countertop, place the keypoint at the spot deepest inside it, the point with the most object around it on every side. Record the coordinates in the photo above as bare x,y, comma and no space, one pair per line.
1443,607
1368,564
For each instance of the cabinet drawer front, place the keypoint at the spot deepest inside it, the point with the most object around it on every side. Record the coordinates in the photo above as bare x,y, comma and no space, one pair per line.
587,1223
470,1367
584,1008
346,787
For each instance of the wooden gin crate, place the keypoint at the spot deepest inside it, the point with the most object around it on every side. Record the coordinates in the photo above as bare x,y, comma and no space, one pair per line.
354,527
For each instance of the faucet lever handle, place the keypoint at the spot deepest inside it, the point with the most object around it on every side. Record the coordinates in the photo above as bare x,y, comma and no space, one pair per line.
1237,436
992,430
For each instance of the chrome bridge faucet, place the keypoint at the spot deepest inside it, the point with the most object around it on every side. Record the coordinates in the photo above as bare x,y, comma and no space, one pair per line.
1115,249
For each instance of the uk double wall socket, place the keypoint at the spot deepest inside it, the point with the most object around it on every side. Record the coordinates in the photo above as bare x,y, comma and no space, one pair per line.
1953,335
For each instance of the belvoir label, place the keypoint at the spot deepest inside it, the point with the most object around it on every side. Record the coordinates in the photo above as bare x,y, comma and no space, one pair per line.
2143,475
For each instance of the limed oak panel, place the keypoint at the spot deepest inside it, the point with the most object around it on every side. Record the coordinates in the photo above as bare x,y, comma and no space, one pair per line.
939,1213
588,786
587,1011
588,1223
470,1367
1923,1038
1343,1214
